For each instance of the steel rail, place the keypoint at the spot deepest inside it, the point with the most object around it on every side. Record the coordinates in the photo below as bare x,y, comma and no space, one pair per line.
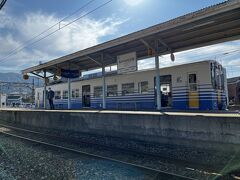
97,156
94,144
105,146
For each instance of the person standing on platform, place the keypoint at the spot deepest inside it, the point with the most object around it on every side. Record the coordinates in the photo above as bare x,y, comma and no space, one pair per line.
50,96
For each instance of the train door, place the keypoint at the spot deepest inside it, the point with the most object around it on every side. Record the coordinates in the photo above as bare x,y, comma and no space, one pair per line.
193,94
218,76
166,90
86,98
220,86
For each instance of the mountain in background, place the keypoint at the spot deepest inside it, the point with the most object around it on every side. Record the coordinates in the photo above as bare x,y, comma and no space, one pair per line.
17,88
16,77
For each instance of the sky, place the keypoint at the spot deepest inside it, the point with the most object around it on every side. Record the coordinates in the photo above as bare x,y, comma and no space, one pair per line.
21,20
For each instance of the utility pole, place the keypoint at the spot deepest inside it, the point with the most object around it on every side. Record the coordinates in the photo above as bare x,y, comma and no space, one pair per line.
33,89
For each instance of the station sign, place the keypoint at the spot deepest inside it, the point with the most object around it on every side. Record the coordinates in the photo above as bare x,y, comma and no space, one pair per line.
127,63
70,73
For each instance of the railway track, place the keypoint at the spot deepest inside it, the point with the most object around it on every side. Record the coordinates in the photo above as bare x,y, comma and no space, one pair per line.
128,150
157,171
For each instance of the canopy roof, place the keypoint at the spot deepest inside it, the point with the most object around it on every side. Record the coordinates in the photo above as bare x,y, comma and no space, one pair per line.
211,25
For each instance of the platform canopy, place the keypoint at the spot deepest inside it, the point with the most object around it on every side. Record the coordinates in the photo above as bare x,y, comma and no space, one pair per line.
215,24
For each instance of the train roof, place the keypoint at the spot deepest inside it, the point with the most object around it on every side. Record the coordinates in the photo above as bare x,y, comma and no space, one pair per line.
179,65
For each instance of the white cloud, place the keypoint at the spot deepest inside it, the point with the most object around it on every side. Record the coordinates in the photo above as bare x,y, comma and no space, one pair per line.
8,42
133,2
4,20
226,53
79,35
82,34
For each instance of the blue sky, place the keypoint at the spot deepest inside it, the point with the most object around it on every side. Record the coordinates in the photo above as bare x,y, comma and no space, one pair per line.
22,19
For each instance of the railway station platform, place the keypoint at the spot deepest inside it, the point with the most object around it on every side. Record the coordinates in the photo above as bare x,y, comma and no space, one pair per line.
217,130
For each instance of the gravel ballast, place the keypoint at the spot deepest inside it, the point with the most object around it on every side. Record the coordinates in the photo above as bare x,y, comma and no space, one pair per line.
197,163
25,160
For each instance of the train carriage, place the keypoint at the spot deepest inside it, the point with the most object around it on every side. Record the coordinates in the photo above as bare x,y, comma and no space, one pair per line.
198,86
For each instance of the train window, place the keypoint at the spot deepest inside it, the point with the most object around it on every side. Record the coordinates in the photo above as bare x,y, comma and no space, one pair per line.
97,91
192,81
222,82
112,90
127,88
192,78
75,93
65,94
57,94
143,87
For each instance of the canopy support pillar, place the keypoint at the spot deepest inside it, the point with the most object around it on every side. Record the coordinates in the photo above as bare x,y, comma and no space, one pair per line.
103,85
69,93
158,84
45,90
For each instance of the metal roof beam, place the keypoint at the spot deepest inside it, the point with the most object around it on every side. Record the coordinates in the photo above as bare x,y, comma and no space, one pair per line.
166,45
97,62
37,74
79,67
40,75
227,25
146,44
110,56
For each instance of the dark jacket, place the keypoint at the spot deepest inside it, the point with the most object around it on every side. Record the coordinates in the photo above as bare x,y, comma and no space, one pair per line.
50,94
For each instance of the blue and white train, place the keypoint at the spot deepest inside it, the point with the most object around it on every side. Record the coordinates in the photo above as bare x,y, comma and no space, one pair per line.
198,86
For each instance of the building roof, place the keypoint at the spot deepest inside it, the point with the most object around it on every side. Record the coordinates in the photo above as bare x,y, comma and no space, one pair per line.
211,25
233,80
14,97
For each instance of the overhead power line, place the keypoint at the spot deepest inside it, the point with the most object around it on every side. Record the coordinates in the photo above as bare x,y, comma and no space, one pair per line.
211,55
2,3
46,30
31,42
